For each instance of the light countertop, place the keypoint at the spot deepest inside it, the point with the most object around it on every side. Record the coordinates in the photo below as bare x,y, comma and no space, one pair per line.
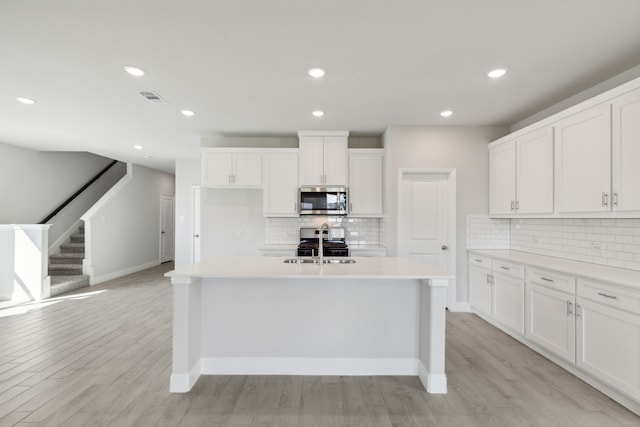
274,267
620,276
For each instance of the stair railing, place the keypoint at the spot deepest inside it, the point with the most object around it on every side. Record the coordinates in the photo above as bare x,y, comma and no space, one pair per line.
77,193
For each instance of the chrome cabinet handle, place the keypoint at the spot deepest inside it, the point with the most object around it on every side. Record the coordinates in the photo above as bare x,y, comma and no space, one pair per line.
477,260
546,279
605,199
614,199
517,205
513,205
505,268
607,295
569,308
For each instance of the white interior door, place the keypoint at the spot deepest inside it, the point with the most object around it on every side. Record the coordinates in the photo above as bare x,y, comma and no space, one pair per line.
166,227
426,220
195,240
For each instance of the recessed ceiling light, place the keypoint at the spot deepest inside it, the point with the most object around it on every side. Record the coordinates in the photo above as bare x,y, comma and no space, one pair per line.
497,73
188,113
316,72
138,147
134,71
27,101
318,113
446,113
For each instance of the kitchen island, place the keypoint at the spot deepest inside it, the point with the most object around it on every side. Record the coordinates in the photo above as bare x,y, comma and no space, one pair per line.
262,316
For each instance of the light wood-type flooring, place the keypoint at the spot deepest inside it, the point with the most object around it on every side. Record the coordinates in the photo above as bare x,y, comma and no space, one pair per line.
102,356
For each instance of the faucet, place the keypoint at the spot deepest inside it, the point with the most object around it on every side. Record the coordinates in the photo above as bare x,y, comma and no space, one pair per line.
323,227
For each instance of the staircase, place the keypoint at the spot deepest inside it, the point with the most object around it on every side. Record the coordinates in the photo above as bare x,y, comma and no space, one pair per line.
65,268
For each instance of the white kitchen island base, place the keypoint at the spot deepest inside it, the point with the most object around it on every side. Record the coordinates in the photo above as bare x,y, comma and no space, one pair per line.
264,317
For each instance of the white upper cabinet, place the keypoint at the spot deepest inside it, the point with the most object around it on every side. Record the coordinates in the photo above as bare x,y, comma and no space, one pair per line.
534,172
280,198
502,179
365,182
583,161
521,175
626,152
323,158
228,168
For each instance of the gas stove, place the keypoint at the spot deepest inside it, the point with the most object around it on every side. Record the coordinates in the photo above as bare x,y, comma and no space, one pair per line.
333,243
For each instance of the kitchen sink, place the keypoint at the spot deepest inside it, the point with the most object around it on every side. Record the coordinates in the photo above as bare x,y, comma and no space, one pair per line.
315,261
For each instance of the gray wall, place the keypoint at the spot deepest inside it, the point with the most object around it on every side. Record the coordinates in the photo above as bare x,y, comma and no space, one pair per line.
33,183
461,148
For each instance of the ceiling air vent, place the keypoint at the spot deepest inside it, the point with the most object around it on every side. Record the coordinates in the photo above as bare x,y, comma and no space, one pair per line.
153,97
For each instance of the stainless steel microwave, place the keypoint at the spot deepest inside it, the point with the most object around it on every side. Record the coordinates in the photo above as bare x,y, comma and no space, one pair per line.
323,201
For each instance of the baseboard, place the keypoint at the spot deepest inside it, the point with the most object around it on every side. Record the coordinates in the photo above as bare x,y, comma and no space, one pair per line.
94,280
307,366
460,307
436,384
182,383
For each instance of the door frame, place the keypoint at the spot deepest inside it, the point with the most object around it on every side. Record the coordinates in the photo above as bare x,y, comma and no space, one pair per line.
451,220
173,227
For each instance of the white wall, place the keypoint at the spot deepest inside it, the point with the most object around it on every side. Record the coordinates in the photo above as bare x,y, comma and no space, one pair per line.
232,222
33,183
123,229
187,176
461,148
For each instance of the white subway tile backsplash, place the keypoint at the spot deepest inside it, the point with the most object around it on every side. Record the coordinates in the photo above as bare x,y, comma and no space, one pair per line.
613,242
360,231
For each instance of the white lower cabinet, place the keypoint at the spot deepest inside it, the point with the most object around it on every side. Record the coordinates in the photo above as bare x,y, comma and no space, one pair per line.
550,321
608,344
592,326
550,312
480,286
508,300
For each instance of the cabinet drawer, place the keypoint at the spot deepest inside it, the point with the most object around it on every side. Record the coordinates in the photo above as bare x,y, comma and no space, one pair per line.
508,268
551,279
480,260
614,296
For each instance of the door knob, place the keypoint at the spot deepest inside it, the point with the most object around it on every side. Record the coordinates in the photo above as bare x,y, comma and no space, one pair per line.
445,247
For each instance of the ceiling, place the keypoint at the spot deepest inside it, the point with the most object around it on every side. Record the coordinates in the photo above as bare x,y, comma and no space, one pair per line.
241,66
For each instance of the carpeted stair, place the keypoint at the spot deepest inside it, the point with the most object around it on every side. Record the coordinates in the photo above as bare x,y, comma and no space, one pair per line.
65,268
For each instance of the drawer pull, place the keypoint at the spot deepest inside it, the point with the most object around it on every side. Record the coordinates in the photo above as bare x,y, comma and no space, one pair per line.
505,268
569,308
477,260
546,279
607,295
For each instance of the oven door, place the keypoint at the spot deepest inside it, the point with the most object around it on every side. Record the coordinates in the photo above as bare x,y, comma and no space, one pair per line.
323,201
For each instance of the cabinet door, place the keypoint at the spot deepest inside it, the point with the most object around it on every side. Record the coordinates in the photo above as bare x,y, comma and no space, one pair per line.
502,179
335,160
583,161
216,169
247,171
508,302
550,320
311,154
626,152
609,345
365,184
280,196
534,169
480,290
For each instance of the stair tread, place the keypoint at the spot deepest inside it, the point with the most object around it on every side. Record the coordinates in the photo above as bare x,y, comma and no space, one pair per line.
64,284
68,255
